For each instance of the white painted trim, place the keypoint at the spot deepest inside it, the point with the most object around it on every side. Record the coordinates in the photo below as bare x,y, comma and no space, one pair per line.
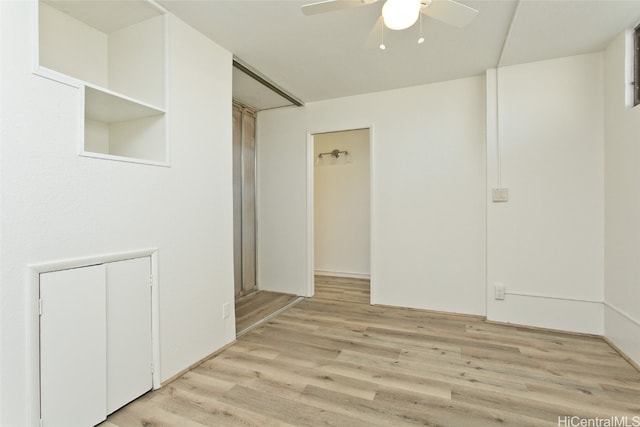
622,313
66,264
124,159
310,207
167,86
310,216
550,312
57,76
629,63
32,278
33,347
256,205
82,122
553,297
155,319
489,139
373,294
35,34
622,330
1,240
356,126
158,109
342,274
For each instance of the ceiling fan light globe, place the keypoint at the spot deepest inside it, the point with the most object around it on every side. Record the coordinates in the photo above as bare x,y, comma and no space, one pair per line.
400,14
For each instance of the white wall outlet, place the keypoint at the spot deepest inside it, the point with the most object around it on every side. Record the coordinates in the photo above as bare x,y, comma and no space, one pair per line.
226,310
500,194
499,289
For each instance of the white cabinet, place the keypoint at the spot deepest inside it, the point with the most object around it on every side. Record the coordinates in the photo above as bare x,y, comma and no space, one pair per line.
128,331
95,341
73,384
115,53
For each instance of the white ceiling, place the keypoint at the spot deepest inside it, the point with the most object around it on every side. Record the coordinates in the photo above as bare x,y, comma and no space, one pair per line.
328,56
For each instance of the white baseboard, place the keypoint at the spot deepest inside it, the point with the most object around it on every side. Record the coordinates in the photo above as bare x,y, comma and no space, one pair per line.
548,312
622,331
342,274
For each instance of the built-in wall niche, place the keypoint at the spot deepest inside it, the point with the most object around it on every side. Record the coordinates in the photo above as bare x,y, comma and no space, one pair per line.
115,53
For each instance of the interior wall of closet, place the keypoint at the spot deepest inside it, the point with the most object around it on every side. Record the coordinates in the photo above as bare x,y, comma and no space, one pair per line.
244,198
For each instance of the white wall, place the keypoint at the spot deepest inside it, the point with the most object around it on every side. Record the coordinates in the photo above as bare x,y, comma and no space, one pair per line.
546,244
341,205
428,209
2,135
58,205
622,207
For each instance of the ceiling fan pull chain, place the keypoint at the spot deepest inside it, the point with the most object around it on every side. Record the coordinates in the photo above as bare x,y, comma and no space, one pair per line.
382,46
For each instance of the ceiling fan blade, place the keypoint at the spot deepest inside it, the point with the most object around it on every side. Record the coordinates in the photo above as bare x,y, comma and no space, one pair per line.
331,5
450,12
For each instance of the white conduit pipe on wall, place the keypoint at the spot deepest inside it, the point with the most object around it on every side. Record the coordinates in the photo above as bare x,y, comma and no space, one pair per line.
504,45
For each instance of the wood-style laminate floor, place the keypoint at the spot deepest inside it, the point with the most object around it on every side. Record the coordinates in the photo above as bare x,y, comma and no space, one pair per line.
342,289
327,361
256,306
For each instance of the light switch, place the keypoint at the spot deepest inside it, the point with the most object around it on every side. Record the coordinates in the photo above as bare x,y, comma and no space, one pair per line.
500,194
225,310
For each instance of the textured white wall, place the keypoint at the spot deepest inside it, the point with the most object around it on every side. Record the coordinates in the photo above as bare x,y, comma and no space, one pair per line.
622,207
546,244
341,205
2,135
428,222
58,205
429,200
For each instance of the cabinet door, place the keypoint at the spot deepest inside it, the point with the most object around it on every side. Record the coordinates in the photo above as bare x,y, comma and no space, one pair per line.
73,347
129,354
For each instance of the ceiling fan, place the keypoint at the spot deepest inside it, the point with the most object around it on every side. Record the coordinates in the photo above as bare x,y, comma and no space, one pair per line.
401,14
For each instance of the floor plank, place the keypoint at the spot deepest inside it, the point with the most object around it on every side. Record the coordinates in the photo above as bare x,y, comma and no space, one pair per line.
252,308
336,360
342,289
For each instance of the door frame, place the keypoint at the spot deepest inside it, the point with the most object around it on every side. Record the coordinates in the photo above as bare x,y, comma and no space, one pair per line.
245,110
33,272
310,291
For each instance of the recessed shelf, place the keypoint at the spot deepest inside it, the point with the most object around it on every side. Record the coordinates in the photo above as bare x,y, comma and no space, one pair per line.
115,52
110,107
118,126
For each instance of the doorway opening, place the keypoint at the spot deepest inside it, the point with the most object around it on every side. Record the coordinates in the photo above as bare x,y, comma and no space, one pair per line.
252,306
341,215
